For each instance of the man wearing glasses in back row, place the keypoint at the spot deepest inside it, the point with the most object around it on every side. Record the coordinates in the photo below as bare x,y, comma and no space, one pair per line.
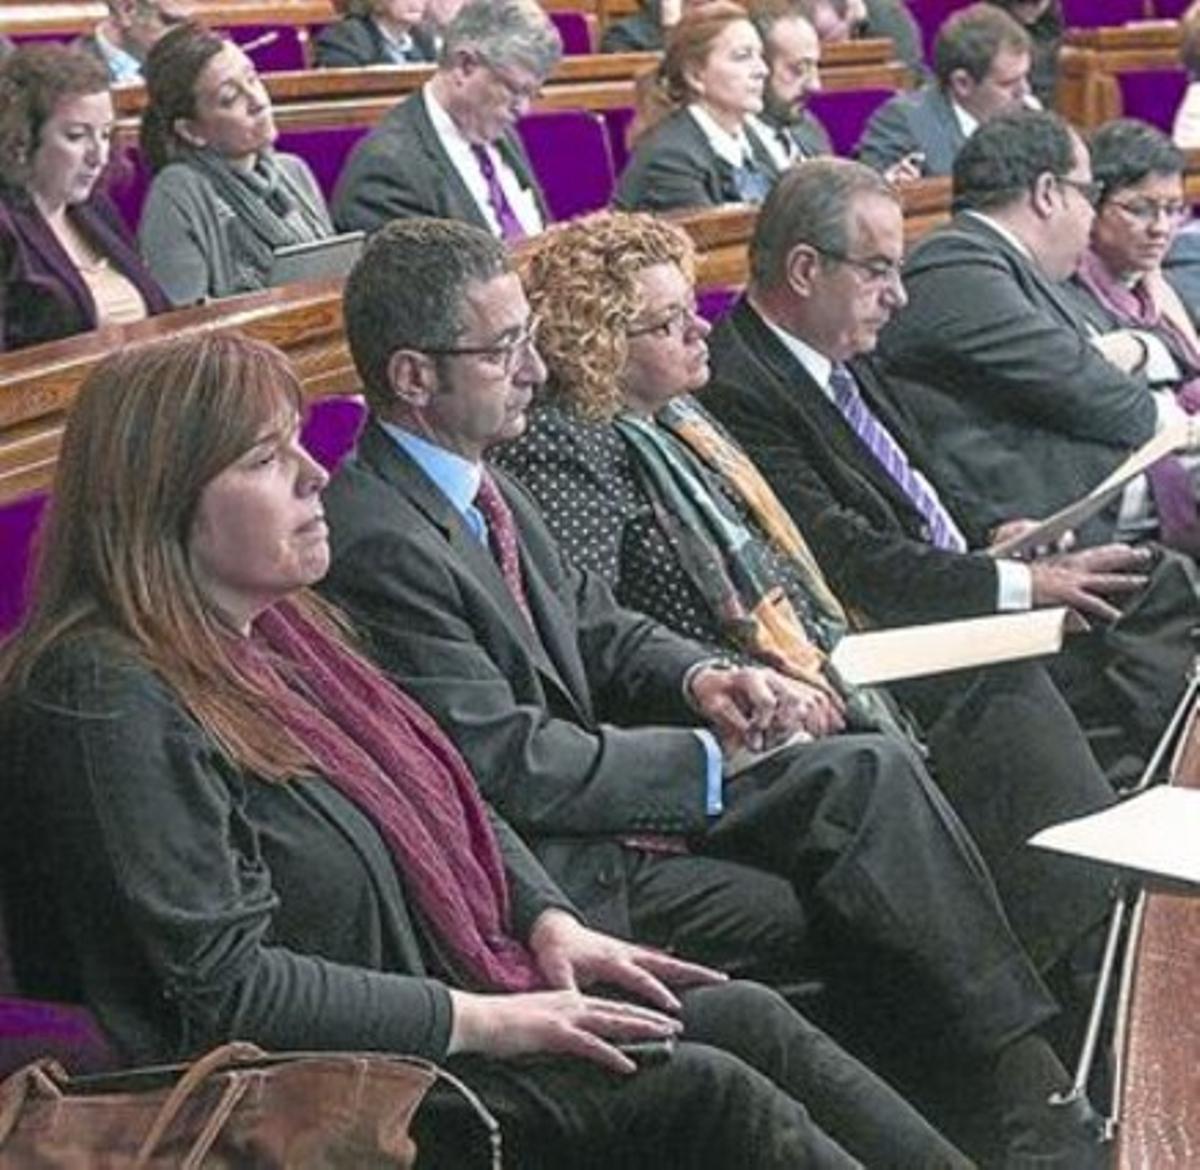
451,151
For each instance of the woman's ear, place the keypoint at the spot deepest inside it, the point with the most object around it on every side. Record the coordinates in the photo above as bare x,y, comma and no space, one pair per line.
185,130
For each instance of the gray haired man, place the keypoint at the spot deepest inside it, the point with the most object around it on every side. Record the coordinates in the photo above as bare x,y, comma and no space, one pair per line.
451,151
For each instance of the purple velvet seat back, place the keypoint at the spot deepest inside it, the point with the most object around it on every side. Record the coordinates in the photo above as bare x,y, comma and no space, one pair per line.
574,31
324,148
19,521
1170,9
31,1029
617,121
570,155
930,14
844,113
332,427
128,181
713,303
1101,13
43,38
1152,95
272,47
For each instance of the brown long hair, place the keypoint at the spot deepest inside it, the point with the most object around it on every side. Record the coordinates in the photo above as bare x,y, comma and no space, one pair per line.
663,90
151,426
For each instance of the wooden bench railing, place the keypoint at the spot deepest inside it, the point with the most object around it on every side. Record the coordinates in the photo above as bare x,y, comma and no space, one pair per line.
79,17
38,385
1089,62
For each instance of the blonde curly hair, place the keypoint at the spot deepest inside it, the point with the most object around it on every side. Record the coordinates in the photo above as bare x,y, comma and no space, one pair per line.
582,282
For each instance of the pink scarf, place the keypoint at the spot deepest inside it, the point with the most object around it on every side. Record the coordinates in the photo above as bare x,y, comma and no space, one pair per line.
383,752
1170,481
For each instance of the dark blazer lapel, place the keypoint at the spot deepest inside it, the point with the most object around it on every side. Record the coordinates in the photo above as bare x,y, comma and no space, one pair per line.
397,468
557,638
795,391
459,201
761,155
41,240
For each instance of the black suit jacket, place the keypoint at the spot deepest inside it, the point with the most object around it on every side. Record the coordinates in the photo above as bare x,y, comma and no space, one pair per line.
188,903
401,171
357,40
674,167
867,536
919,121
536,715
992,365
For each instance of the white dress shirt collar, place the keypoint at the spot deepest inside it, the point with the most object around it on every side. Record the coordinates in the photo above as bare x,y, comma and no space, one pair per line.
816,364
733,148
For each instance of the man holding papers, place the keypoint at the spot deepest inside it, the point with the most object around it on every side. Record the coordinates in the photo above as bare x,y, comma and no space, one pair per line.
791,382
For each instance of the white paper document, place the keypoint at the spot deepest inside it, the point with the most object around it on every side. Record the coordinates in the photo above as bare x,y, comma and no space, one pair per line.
879,656
1176,437
1156,833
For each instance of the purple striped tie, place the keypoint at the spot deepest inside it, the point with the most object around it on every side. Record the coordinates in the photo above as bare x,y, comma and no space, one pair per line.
943,532
510,225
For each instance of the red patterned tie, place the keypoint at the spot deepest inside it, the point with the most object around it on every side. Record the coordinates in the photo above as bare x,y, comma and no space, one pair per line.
502,536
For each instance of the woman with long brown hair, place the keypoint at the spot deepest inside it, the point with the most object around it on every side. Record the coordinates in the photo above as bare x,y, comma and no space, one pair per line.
222,822
697,145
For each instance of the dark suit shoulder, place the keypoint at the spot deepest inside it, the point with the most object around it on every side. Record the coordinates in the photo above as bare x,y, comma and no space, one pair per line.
673,167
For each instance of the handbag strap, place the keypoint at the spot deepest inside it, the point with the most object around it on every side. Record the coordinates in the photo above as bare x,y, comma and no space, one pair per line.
237,1053
45,1077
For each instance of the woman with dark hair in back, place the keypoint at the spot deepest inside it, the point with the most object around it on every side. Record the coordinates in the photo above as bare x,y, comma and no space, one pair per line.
67,261
222,200
375,32
695,145
221,821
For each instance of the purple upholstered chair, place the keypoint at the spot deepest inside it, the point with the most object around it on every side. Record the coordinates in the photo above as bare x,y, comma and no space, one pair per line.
331,429
1101,13
19,522
324,148
929,15
574,30
43,38
1170,9
570,154
31,1029
272,47
1152,95
844,113
128,181
617,121
713,303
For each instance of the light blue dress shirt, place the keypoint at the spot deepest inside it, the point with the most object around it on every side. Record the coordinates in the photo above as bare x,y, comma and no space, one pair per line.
458,480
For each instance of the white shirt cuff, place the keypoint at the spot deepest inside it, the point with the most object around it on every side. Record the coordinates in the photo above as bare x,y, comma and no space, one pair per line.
1014,586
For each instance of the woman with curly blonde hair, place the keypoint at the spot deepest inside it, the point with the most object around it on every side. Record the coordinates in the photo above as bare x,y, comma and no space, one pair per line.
697,144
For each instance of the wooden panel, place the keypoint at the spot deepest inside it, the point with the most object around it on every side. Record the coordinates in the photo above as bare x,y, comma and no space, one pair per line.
1160,1091
38,385
1087,92
16,19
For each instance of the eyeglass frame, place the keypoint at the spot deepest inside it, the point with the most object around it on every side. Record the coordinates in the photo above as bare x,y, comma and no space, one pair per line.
878,269
509,351
1174,211
688,315
1091,190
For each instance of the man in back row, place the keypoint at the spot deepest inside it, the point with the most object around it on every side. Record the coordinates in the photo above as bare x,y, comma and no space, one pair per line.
451,150
981,64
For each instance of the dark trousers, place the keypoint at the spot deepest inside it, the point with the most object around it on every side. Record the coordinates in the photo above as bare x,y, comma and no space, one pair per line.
753,1085
1010,757
873,855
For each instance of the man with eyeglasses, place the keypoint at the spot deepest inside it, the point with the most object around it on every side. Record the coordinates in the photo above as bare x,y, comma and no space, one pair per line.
591,727
451,150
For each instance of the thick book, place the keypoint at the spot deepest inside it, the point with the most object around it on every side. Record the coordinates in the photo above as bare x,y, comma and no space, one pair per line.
1155,834
880,656
1176,437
